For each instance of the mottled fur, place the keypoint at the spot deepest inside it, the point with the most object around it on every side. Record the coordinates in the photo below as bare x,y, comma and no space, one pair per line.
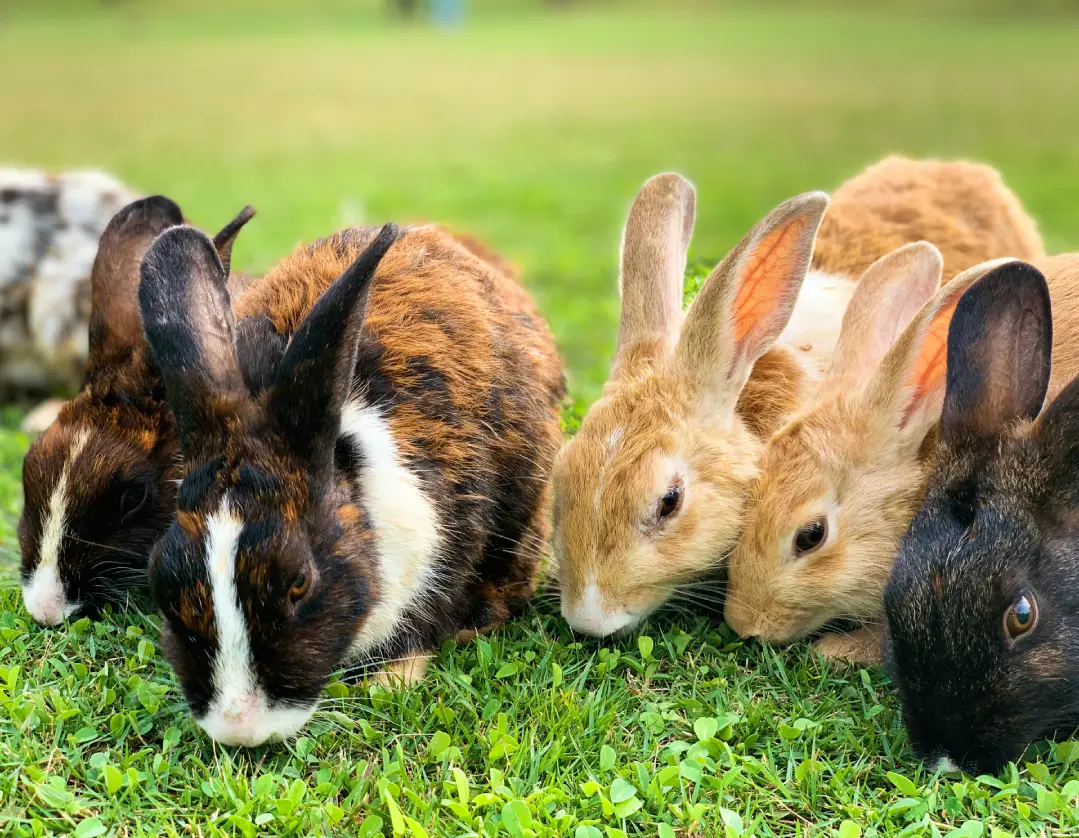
998,523
448,350
963,208
121,486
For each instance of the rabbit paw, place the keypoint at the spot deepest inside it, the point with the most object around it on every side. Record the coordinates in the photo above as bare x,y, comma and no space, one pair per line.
404,672
864,646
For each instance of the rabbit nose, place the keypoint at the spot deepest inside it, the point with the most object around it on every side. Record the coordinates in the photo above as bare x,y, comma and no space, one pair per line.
240,708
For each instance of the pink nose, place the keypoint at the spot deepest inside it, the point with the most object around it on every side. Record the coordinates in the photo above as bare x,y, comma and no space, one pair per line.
241,710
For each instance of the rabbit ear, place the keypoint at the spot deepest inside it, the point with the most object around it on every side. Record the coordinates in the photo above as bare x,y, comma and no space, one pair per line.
1058,435
115,328
189,325
888,296
999,350
225,239
747,301
314,377
653,266
908,385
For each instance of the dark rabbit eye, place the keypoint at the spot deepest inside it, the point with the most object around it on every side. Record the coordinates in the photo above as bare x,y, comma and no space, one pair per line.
810,537
133,499
1020,619
669,503
300,586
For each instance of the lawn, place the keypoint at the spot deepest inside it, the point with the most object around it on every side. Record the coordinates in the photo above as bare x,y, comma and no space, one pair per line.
532,130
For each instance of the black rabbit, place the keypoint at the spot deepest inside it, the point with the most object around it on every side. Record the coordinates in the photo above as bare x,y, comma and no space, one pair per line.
983,603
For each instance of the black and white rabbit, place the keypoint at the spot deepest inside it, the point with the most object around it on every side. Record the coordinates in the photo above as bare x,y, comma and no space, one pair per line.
983,603
292,553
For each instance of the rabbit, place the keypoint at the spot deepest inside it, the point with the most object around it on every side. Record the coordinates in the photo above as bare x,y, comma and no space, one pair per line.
982,639
615,561
961,207
387,491
649,491
99,483
840,481
49,227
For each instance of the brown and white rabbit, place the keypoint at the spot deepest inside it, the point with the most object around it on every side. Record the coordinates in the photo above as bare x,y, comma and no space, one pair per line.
99,483
839,483
982,634
287,560
649,494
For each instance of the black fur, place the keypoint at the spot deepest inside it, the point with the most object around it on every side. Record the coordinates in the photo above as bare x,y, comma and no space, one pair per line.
1000,520
187,318
315,374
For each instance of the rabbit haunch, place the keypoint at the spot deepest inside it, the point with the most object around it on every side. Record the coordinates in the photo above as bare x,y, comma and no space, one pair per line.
386,491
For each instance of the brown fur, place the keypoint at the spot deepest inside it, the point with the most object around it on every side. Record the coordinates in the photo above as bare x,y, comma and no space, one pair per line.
963,208
850,457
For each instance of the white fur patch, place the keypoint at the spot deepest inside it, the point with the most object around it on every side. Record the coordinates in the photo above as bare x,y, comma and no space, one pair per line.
44,594
405,522
814,325
239,713
590,616
946,766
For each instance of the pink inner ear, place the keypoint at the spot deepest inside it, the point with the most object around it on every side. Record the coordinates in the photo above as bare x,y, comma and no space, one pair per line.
765,284
931,366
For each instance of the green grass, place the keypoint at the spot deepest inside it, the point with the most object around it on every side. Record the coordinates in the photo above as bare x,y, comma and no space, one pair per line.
533,132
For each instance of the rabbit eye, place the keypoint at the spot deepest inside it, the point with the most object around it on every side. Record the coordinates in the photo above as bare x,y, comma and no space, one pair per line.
300,586
810,537
1020,619
133,499
669,503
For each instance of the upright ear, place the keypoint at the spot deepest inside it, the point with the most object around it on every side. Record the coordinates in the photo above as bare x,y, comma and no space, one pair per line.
314,377
653,266
115,328
1057,433
999,353
189,325
226,238
747,301
888,296
907,387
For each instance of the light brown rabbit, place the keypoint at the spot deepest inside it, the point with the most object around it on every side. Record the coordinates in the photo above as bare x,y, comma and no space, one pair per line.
840,482
963,208
649,495
650,490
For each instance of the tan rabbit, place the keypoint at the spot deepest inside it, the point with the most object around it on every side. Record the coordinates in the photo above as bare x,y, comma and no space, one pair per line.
840,482
650,490
961,207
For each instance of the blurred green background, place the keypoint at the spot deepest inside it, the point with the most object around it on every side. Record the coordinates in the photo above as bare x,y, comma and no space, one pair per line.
534,123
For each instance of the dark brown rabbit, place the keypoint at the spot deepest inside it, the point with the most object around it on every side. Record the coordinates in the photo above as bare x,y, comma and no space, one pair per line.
99,483
387,491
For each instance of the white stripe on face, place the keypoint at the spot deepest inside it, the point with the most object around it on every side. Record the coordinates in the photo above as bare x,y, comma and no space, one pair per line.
44,594
239,713
405,522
